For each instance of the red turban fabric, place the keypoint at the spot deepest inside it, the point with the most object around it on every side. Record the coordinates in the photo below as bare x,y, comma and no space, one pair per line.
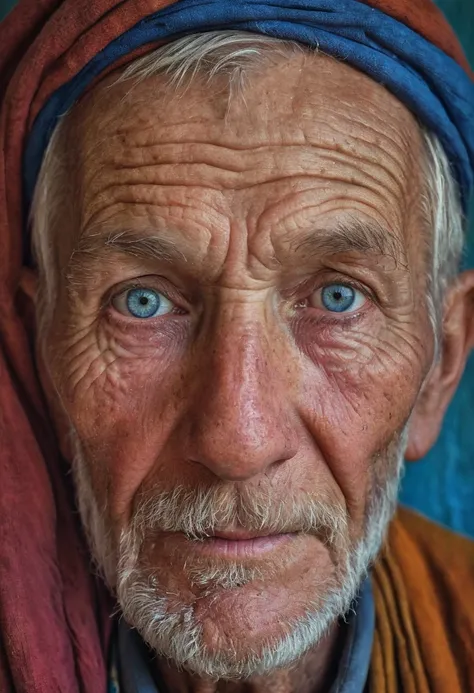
54,617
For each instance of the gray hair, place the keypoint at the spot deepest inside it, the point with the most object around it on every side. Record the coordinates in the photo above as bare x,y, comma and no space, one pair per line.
232,54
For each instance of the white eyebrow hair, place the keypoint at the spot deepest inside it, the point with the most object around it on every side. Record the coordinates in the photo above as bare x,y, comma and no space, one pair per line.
136,243
94,248
353,236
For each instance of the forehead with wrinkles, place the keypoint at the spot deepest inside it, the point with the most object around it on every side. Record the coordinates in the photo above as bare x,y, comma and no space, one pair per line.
311,151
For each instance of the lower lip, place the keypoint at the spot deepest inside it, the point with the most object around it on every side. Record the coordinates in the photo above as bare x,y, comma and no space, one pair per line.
244,548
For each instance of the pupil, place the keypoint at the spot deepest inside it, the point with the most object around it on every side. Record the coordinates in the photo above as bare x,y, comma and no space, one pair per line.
337,295
143,300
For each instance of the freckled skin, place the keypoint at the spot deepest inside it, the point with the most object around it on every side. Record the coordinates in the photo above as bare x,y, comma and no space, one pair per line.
248,382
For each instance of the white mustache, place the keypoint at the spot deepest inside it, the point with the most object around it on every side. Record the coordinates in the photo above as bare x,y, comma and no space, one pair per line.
200,512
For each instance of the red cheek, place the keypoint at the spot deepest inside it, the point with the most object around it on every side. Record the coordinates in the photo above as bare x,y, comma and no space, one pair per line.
338,343
120,417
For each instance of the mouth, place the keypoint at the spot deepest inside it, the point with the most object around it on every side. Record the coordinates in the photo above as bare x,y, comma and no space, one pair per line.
240,544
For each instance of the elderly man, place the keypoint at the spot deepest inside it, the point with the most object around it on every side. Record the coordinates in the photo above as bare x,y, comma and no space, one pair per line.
231,236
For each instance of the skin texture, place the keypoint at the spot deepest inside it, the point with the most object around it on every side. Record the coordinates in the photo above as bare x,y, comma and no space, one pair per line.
249,381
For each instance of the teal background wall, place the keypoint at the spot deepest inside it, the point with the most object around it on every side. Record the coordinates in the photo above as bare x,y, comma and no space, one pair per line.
442,485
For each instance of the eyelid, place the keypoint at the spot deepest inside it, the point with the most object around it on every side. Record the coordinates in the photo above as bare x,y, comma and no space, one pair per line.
326,276
118,299
305,288
351,311
154,282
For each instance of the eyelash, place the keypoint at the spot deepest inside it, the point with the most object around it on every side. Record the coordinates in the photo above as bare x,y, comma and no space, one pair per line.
304,291
345,320
143,284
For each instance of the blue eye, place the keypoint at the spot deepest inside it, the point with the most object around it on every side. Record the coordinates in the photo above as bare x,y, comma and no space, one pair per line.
340,298
142,303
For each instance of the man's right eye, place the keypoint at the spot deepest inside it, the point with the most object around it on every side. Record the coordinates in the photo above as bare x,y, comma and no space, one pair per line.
338,298
142,303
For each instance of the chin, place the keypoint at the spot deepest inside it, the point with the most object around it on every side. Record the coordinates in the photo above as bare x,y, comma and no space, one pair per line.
232,614
240,629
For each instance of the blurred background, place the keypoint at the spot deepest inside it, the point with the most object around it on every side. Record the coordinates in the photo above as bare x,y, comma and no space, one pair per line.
441,485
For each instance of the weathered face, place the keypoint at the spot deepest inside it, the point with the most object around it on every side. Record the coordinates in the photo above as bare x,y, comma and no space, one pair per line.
244,314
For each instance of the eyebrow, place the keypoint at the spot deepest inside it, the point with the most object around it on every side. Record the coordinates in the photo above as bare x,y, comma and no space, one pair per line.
93,248
353,236
127,242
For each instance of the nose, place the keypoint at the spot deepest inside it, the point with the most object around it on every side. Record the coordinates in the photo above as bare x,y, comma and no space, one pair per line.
241,421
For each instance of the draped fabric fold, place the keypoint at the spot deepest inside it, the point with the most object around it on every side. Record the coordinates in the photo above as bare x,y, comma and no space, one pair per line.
423,583
54,615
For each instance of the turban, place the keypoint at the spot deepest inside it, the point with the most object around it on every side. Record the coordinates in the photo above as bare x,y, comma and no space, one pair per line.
54,615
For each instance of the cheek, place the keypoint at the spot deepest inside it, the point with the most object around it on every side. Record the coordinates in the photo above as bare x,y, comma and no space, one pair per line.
360,385
120,389
116,355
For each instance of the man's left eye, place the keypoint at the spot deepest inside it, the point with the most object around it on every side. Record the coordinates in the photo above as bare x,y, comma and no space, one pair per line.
338,298
142,303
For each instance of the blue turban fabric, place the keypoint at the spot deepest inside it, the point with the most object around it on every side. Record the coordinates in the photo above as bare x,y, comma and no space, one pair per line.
429,82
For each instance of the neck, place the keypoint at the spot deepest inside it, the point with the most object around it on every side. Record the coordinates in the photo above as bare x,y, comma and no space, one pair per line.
313,673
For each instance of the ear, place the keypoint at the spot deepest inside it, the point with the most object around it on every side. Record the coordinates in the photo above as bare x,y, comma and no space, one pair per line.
438,391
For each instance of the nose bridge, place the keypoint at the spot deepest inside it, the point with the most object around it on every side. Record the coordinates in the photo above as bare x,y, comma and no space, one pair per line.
241,416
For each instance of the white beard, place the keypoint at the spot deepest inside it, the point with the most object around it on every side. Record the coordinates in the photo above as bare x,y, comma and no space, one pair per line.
169,627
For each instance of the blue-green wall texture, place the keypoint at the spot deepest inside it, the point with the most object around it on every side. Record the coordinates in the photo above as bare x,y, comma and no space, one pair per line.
442,485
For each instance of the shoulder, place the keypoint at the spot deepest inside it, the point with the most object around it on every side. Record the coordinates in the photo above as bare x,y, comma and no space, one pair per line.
423,585
431,568
440,547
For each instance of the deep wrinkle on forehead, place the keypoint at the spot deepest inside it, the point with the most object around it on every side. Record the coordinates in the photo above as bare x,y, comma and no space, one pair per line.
158,165
333,108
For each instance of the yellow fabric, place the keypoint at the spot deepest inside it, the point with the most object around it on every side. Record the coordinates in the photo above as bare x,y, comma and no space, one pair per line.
423,587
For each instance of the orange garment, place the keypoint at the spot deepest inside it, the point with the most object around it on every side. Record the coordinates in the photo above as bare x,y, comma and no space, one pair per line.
423,587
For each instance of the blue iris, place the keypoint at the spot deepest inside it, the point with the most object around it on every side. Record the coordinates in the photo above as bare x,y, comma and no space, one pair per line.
143,303
338,298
